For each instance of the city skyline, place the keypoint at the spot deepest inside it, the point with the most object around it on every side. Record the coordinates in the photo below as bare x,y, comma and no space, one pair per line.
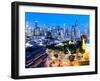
53,20
52,37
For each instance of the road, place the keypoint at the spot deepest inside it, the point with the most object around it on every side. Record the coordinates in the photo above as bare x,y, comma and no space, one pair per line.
35,56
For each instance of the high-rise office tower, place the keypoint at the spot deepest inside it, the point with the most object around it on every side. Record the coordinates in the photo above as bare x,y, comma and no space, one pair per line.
77,31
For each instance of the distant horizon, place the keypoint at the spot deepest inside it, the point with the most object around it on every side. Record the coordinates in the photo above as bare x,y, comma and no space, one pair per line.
53,20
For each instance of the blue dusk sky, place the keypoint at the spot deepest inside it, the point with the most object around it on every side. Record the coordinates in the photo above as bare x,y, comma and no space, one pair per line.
52,19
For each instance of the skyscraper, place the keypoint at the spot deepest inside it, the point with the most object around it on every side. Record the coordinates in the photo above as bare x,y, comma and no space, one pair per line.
36,31
75,32
45,29
86,33
28,30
